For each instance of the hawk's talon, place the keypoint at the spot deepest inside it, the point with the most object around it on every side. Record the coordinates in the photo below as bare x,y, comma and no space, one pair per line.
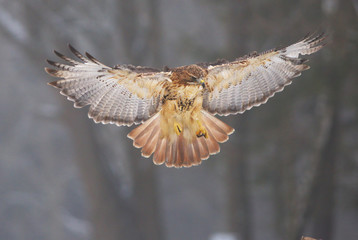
201,131
177,128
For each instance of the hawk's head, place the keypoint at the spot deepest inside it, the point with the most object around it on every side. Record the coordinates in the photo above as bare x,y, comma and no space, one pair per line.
189,75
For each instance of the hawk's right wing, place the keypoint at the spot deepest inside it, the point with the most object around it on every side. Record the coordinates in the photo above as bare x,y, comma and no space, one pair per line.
234,87
122,95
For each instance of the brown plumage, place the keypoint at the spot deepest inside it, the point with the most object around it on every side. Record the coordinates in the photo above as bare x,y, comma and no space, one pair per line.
177,106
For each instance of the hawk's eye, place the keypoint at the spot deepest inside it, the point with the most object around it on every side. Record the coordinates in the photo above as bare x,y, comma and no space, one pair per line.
193,79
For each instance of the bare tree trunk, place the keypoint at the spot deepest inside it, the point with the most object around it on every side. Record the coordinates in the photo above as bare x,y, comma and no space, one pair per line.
238,28
321,196
146,199
323,213
282,167
155,33
239,202
128,22
319,201
239,205
113,218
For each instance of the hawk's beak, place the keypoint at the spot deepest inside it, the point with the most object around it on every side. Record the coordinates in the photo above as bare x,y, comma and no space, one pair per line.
202,82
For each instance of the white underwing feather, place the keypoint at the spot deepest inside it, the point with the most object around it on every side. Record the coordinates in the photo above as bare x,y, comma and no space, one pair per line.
256,77
117,95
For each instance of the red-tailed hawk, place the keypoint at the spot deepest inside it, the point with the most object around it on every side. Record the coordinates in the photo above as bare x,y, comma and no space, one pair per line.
176,106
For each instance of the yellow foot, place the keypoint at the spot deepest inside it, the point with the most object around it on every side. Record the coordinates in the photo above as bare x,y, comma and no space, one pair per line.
202,131
177,128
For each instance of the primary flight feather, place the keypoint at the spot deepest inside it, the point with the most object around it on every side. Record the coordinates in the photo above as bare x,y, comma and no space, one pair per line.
176,107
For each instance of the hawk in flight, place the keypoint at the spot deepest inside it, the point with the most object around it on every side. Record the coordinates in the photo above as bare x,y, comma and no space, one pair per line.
176,106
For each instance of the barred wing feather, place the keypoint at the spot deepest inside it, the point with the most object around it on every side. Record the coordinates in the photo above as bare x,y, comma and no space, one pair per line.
250,81
119,95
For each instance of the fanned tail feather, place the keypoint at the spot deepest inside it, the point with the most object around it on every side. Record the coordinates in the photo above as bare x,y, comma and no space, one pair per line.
218,128
179,151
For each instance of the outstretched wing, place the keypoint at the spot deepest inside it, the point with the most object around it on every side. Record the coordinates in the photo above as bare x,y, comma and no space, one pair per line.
122,95
250,81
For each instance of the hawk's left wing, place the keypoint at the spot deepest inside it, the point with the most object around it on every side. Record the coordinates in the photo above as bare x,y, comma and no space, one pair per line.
237,86
122,95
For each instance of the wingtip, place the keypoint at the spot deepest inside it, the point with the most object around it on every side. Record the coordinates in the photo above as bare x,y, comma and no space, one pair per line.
307,35
91,58
50,70
58,53
50,62
89,55
317,38
72,49
69,45
53,84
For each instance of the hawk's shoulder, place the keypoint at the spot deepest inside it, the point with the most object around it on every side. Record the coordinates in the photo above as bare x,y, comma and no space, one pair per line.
222,61
137,69
206,65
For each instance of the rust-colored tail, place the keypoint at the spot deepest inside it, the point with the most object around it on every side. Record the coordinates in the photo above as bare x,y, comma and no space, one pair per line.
177,151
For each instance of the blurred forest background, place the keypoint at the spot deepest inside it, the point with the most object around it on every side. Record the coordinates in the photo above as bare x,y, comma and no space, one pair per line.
290,169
